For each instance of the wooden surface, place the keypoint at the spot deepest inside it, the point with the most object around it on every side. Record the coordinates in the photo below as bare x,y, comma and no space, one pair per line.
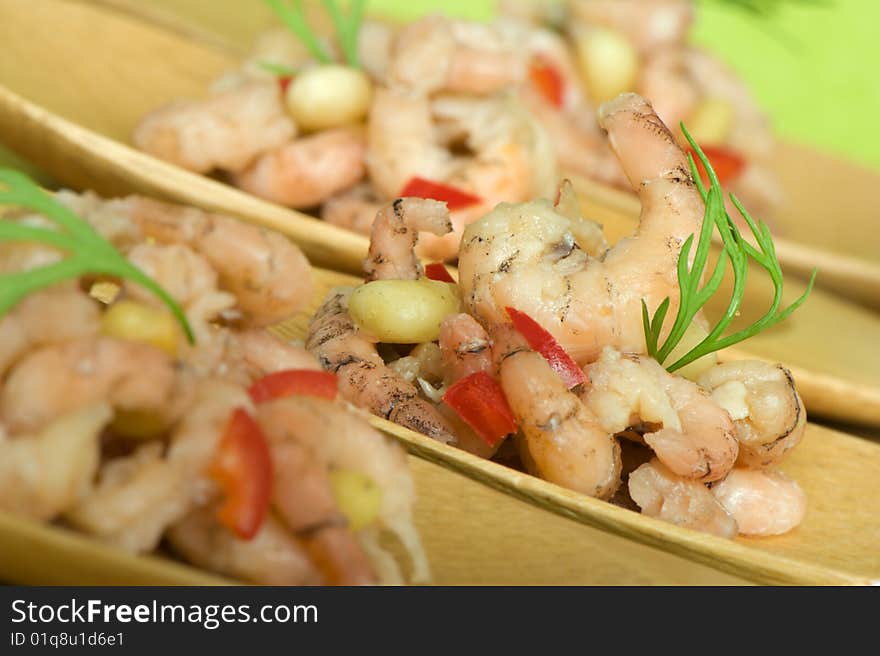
75,127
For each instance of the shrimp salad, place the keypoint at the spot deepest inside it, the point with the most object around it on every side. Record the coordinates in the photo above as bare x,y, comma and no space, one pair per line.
536,356
232,449
465,112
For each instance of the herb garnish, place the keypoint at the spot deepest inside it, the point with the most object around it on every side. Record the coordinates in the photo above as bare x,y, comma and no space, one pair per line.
736,250
292,14
88,252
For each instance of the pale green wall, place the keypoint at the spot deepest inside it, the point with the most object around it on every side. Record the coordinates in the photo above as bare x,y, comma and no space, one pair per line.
814,67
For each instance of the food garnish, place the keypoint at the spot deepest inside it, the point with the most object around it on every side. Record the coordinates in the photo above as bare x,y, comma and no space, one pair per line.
292,14
292,382
454,197
738,251
479,400
438,271
543,342
88,252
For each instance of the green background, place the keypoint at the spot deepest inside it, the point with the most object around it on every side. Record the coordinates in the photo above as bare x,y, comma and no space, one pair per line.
812,66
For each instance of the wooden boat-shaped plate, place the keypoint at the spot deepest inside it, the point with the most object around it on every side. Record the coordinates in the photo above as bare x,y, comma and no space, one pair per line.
477,530
92,72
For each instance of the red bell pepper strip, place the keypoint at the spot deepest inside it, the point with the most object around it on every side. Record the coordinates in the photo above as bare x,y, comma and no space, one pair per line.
438,271
547,80
480,402
291,382
727,163
543,342
242,467
454,198
284,82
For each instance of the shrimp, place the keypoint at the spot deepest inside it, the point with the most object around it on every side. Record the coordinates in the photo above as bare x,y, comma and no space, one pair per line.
662,494
227,131
265,353
763,502
465,347
268,275
54,380
695,438
353,209
395,233
527,255
648,24
436,53
364,379
563,442
272,557
54,315
767,410
340,439
306,171
136,498
45,473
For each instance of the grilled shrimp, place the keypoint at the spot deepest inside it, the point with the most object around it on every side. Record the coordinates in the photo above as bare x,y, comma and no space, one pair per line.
395,233
43,474
54,315
130,375
364,379
465,347
353,209
307,171
268,275
695,437
527,255
767,410
763,502
563,441
227,131
340,439
685,502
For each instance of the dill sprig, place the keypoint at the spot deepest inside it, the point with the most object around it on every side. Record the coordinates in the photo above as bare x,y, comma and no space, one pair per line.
276,69
738,252
292,14
87,251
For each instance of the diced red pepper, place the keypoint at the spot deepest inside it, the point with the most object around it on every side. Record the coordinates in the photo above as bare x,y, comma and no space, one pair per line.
284,82
480,402
291,382
547,80
543,342
454,198
727,163
438,271
242,467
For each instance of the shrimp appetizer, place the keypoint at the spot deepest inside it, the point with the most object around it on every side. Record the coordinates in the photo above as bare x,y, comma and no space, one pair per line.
341,122
144,403
552,350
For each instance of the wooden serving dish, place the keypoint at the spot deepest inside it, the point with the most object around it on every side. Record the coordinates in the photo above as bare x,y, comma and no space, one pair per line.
94,70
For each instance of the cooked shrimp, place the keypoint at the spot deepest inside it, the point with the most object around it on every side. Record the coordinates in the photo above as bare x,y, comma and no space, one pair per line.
395,233
564,442
695,438
265,353
437,53
227,131
267,274
55,380
57,314
767,410
648,24
762,502
465,347
340,439
527,255
136,498
364,380
272,557
353,209
306,171
45,473
662,494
